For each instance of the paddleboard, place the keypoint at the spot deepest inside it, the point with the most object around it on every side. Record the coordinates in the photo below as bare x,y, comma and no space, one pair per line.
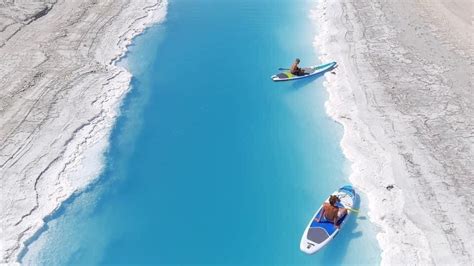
312,71
319,234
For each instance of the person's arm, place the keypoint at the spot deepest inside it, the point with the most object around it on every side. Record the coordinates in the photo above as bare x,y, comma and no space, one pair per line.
321,215
292,68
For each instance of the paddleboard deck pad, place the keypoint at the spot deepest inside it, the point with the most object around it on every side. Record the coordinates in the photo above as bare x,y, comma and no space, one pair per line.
311,71
319,234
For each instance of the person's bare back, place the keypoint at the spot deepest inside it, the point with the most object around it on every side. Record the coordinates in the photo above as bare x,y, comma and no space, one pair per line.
330,212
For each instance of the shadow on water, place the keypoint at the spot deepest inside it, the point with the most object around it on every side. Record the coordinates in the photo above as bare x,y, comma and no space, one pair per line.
336,251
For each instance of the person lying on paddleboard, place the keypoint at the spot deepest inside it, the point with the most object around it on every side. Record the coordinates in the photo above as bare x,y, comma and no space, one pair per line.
295,70
331,212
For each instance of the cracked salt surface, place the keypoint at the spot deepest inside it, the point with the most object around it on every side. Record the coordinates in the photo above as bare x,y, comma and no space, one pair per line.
404,87
59,97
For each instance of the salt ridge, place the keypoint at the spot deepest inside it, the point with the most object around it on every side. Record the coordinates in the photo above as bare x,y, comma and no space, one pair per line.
69,147
389,162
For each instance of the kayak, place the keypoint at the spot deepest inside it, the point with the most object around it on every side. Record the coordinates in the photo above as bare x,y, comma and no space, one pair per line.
319,234
312,71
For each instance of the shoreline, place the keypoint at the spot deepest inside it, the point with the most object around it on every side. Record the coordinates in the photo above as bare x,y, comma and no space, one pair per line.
395,120
68,85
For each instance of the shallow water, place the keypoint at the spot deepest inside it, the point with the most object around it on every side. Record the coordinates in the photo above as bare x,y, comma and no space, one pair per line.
212,162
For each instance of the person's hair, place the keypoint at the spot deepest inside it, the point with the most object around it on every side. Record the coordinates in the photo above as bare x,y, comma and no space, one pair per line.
333,199
297,60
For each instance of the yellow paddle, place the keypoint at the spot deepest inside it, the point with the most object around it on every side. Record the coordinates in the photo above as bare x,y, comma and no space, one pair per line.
350,209
353,210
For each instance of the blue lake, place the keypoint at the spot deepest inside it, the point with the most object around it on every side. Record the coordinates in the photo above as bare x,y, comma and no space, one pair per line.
211,162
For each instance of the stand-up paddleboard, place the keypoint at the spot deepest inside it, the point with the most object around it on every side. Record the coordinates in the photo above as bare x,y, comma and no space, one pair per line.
313,70
319,234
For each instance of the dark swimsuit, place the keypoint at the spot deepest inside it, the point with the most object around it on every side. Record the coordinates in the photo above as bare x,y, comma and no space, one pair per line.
298,72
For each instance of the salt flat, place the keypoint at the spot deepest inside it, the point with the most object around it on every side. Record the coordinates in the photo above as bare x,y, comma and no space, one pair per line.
60,92
403,92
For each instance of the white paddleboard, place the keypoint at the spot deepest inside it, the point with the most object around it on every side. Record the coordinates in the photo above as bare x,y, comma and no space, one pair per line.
319,234
312,71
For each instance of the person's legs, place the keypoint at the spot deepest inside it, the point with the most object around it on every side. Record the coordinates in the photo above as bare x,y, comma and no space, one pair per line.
302,73
341,212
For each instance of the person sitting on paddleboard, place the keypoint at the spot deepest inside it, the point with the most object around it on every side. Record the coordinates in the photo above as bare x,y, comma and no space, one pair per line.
295,70
331,211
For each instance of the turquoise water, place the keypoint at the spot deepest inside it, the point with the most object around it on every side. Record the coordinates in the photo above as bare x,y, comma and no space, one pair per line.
211,162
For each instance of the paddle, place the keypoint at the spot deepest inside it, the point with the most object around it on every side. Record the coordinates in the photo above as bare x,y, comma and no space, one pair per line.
281,69
353,210
349,208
